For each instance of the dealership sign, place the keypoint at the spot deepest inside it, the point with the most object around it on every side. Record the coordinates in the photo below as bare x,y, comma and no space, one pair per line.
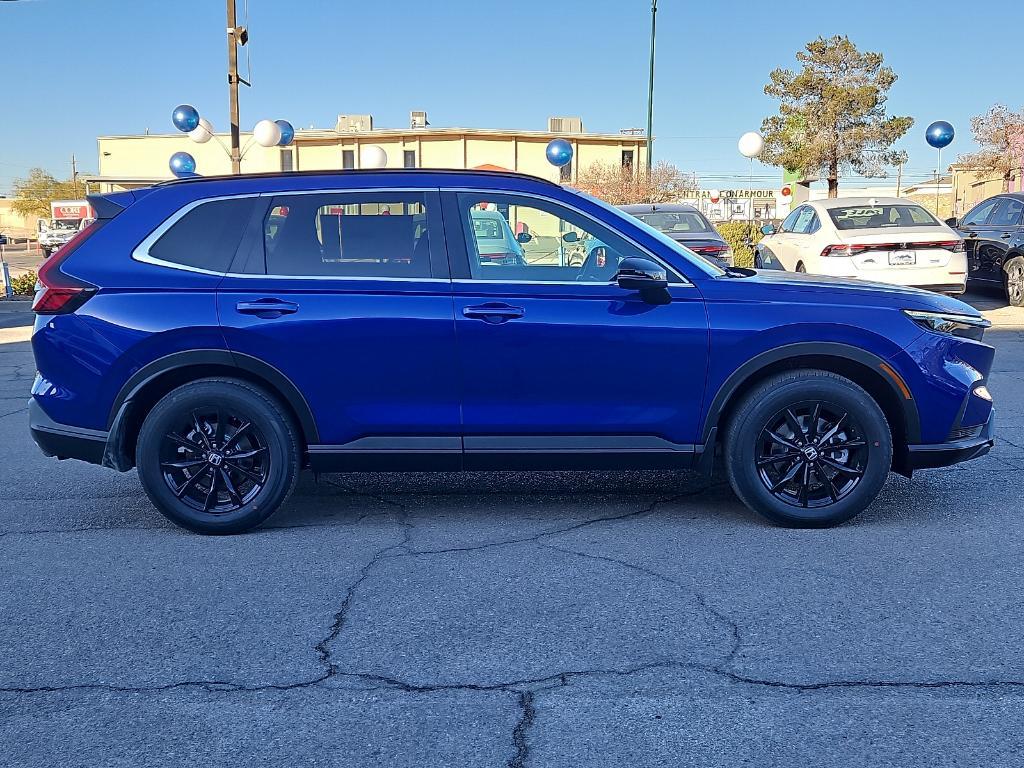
73,210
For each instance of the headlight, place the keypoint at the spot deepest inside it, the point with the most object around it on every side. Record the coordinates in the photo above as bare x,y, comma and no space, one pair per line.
967,326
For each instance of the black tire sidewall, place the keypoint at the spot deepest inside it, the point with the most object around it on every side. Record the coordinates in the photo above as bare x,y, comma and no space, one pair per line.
753,415
242,400
1006,277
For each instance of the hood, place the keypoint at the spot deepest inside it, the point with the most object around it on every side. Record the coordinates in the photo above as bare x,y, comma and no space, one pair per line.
877,294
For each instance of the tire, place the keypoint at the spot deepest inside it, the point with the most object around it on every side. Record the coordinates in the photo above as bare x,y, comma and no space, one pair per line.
801,268
1013,281
832,491
250,472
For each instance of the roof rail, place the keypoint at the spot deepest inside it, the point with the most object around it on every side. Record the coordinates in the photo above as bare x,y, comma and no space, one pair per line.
355,171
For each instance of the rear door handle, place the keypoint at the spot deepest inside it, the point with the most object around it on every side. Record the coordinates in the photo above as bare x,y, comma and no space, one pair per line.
493,313
267,308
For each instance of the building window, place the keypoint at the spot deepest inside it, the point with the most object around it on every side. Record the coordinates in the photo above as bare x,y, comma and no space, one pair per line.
627,160
409,158
348,158
565,172
287,160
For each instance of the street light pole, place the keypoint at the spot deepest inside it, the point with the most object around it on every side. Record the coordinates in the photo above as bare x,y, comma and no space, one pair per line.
650,91
236,150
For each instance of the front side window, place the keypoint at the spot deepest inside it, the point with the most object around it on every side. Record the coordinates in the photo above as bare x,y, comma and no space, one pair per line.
979,213
207,236
790,221
881,216
348,235
527,239
804,221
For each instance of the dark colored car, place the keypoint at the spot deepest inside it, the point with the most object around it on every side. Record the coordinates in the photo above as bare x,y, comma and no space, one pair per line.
993,231
3,239
687,226
220,334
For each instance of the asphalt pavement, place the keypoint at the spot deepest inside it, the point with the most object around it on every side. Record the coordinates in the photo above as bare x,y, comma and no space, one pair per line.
534,619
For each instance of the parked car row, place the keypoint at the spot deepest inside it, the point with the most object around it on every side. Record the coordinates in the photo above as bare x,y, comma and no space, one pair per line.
993,233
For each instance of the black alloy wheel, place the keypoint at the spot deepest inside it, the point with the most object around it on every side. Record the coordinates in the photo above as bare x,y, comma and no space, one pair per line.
811,454
215,461
1015,281
218,456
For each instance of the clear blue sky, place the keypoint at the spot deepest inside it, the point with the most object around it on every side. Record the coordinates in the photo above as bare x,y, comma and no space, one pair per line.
120,66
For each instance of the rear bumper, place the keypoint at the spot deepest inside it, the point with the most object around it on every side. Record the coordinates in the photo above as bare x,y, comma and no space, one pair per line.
946,454
62,440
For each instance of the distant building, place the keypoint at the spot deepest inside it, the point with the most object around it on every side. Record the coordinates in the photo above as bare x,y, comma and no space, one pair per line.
971,187
138,160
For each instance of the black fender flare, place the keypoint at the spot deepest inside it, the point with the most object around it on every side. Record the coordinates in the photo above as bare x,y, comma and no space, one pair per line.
252,365
911,418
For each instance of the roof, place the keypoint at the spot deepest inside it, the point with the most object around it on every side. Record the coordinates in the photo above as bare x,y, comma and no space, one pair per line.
359,172
658,208
330,134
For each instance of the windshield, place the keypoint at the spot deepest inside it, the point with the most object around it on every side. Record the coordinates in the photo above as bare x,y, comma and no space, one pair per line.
487,229
881,216
674,222
65,224
705,265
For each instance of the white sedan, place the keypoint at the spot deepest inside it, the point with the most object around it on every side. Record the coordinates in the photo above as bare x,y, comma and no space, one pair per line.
885,239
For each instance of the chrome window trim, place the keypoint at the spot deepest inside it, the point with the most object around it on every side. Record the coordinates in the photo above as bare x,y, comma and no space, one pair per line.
141,252
585,215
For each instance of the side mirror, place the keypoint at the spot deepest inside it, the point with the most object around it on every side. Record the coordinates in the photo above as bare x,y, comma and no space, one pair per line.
768,229
952,222
570,237
524,237
636,274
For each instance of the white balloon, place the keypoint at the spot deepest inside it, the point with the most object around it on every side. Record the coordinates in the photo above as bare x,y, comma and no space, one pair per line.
373,156
203,132
267,133
751,143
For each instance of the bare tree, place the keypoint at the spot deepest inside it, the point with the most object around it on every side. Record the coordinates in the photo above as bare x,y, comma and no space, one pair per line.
620,185
1000,134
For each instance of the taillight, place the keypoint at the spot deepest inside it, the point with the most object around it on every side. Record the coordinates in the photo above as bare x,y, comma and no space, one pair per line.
843,250
58,293
956,246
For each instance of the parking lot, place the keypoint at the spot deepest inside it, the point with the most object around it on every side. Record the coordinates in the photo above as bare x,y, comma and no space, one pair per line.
538,619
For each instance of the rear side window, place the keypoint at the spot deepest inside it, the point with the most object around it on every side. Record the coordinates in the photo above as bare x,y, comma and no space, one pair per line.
348,235
207,236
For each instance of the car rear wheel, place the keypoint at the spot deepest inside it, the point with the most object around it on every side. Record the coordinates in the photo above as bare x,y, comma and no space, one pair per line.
1013,279
218,456
808,449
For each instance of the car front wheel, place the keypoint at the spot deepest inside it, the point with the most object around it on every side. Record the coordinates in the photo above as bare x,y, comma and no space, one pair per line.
218,456
808,448
1014,281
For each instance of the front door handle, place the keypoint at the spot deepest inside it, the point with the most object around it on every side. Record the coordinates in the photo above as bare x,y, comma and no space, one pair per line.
267,308
493,313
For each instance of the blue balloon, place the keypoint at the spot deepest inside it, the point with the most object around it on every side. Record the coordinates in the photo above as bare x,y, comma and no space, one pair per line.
182,164
559,152
939,134
287,133
185,117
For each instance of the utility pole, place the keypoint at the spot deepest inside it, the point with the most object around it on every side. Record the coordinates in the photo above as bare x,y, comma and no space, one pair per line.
236,36
74,173
899,180
650,92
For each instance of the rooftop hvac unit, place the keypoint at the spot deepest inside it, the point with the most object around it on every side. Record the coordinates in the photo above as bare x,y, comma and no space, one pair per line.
418,119
354,123
565,125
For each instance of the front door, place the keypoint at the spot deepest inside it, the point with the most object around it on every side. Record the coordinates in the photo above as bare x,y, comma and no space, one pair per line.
560,366
347,295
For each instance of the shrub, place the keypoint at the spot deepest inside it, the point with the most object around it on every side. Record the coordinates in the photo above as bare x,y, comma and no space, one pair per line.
736,233
24,284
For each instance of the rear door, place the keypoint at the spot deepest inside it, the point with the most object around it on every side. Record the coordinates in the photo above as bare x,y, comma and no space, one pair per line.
347,294
975,230
994,237
559,365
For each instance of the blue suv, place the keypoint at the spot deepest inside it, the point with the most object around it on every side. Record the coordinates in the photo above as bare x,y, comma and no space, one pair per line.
220,334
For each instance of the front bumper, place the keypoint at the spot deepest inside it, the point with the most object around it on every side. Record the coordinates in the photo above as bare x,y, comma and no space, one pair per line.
62,440
953,452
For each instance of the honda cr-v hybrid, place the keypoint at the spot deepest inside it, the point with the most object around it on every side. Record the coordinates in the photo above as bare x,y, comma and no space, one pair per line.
221,334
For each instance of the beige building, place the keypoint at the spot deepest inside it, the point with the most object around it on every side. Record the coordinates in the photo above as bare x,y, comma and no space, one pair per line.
131,161
971,187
